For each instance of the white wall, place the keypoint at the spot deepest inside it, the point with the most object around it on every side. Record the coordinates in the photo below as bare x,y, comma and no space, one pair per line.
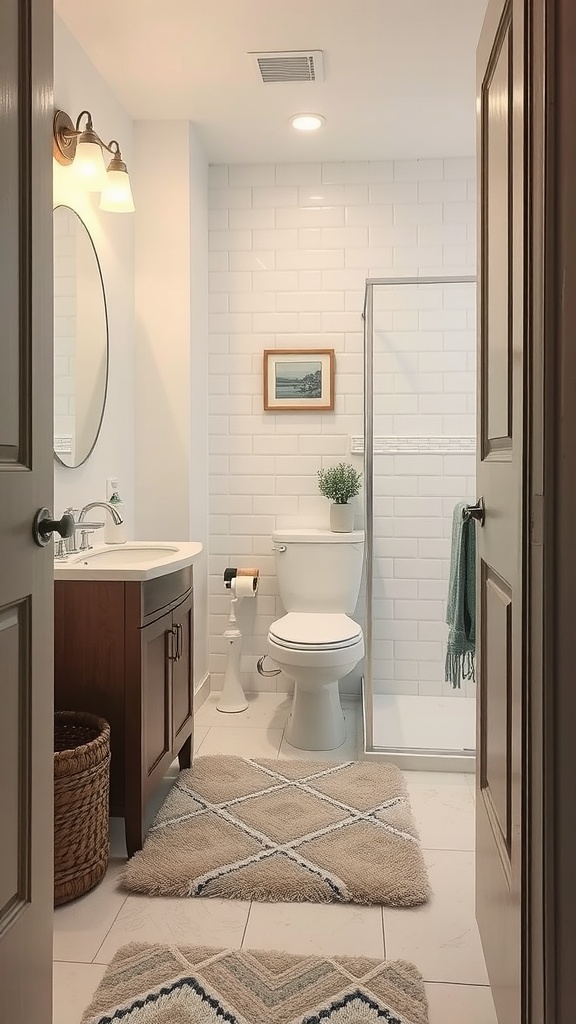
78,86
162,356
170,355
290,249
199,393
162,469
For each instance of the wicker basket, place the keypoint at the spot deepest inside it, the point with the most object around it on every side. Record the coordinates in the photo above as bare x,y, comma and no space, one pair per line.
81,782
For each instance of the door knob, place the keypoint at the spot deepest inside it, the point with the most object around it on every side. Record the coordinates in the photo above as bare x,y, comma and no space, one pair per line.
476,512
44,526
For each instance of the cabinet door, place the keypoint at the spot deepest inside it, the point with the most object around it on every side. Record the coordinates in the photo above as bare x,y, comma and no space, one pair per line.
156,640
182,693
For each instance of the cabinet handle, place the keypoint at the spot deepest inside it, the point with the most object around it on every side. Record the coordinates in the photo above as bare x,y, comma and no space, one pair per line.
179,633
172,643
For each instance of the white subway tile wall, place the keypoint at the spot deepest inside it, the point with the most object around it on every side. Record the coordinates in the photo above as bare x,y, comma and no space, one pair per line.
290,248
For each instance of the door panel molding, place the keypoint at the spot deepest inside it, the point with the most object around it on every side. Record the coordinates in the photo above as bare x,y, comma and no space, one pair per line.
16,286
496,618
15,762
496,130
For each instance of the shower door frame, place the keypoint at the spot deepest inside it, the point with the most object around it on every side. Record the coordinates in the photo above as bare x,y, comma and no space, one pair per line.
414,759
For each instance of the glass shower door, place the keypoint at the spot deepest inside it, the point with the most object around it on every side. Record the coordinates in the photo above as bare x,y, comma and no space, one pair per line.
420,425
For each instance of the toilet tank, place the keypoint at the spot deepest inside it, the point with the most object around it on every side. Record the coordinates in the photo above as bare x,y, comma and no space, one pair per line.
318,571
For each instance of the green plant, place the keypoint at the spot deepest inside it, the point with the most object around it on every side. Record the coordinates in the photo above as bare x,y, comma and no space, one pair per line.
339,483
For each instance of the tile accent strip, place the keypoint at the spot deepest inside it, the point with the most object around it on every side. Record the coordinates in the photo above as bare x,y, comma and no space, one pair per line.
404,445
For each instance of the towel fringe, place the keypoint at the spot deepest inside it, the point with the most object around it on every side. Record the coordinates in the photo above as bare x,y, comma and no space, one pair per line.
460,667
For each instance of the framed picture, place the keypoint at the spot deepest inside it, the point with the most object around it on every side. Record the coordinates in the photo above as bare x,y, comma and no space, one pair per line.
299,380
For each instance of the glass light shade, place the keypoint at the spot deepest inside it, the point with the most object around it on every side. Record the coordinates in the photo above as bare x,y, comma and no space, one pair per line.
307,122
117,194
88,166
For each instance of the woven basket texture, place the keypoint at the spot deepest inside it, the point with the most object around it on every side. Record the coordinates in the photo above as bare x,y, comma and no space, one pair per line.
81,784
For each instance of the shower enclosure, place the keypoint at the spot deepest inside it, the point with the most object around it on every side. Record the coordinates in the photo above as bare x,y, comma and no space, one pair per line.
419,461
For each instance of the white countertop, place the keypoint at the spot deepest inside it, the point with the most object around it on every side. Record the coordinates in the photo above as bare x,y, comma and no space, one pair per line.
133,560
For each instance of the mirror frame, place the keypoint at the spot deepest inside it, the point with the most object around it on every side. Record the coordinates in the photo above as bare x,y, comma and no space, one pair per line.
64,206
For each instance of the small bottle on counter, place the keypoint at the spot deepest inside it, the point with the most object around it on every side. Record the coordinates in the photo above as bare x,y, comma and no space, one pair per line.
115,533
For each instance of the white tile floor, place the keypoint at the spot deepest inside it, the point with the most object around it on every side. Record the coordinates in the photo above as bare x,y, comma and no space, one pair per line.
441,938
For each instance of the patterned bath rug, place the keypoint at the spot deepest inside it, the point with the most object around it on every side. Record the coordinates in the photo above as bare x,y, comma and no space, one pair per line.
284,831
156,984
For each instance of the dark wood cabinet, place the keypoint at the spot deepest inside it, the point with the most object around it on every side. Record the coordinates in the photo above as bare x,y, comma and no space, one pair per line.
124,651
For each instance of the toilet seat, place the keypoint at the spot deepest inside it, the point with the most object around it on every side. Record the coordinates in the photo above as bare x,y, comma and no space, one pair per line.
313,631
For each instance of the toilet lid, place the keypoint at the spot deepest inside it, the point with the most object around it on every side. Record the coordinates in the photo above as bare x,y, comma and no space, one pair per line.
312,630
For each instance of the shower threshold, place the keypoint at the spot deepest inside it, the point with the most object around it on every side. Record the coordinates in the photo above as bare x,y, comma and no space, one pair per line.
421,733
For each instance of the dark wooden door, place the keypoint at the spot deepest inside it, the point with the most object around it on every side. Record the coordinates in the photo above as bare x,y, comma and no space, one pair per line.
500,481
26,752
182,693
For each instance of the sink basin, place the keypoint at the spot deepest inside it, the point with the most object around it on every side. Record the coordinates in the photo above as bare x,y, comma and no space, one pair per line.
134,560
134,555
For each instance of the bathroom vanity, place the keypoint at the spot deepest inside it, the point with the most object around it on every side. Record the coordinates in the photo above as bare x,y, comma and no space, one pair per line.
124,650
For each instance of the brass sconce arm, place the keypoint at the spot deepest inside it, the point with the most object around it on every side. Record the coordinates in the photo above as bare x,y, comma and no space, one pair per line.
81,146
66,135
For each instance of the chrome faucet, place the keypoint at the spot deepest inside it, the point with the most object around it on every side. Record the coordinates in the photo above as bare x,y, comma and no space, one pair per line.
85,544
68,546
101,504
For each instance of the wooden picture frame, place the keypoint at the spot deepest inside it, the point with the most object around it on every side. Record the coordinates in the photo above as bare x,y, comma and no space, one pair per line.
299,380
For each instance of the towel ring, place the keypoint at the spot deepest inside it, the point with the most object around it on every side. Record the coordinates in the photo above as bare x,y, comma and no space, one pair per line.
476,512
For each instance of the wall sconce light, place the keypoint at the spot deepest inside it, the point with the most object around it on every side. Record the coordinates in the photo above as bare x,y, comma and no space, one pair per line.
83,149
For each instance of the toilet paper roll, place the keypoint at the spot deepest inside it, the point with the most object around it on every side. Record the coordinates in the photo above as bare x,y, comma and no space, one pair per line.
244,586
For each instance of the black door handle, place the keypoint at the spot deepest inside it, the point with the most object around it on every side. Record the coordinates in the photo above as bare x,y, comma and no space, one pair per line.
44,526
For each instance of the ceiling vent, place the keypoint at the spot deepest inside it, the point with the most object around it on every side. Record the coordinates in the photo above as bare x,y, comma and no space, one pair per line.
289,66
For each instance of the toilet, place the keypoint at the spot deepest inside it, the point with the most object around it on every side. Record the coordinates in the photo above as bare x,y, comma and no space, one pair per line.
316,643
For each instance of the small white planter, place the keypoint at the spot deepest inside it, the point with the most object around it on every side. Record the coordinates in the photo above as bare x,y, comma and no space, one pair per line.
341,518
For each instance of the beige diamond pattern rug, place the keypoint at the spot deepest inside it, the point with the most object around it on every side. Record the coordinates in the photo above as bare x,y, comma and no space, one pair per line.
156,984
284,831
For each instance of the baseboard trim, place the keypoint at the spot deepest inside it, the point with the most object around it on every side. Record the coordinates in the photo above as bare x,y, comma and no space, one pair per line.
202,692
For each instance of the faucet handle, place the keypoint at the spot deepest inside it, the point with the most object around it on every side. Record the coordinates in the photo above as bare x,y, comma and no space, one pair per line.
70,545
84,542
61,553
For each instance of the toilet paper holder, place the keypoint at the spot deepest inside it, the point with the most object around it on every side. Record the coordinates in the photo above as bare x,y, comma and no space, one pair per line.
241,583
266,672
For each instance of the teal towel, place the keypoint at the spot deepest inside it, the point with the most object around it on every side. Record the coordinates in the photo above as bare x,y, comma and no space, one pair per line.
461,614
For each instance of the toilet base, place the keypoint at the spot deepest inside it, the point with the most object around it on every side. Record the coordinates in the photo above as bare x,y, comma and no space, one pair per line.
316,720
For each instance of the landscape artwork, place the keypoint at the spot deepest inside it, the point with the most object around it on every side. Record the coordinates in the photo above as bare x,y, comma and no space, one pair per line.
299,380
295,380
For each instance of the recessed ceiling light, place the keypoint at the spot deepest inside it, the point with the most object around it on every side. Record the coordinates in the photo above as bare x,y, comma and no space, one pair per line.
307,122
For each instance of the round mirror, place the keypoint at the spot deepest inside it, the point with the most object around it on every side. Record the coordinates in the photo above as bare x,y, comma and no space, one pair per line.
80,340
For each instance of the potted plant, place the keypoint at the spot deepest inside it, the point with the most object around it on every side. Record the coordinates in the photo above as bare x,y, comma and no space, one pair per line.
340,483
